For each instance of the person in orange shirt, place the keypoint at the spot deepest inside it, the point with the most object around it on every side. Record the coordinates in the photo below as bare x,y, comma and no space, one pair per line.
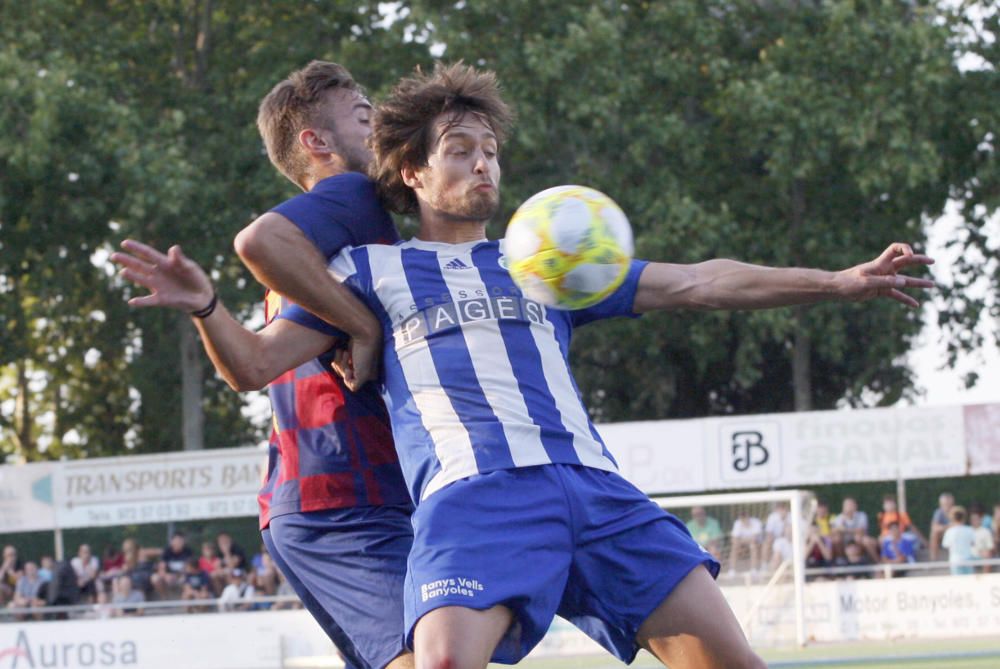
890,514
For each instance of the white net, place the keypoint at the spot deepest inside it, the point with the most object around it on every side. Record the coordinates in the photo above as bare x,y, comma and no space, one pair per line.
759,539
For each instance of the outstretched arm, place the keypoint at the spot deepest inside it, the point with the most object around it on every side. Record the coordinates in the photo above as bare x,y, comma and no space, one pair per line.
281,257
727,284
246,360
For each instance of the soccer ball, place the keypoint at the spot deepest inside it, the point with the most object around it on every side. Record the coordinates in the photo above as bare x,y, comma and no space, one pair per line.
568,247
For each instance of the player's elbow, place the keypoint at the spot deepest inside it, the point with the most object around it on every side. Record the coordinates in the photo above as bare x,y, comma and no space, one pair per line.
251,242
245,378
242,384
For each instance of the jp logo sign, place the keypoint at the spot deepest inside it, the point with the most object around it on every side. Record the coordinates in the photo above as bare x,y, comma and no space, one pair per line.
750,452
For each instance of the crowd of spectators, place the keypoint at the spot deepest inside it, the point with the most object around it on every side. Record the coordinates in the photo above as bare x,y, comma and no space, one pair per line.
220,577
758,546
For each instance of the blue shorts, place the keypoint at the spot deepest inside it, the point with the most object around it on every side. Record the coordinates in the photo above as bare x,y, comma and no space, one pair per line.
347,566
556,539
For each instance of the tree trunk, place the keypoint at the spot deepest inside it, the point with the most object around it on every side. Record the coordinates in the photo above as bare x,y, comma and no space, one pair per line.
192,382
802,343
801,367
22,413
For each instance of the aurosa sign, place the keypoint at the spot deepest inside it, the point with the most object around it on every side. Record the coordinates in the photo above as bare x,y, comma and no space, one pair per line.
34,650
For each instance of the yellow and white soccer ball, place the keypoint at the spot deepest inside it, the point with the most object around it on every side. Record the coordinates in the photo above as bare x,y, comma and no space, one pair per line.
568,247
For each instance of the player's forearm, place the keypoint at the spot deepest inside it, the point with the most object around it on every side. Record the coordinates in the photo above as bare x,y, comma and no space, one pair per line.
235,352
282,258
728,284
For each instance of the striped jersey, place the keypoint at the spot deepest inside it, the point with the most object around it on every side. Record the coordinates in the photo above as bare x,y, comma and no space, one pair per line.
476,376
329,448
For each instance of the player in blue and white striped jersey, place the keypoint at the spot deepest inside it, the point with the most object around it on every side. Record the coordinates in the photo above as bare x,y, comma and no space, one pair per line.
521,514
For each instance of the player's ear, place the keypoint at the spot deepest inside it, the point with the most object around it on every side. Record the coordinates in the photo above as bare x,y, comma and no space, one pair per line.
313,142
411,176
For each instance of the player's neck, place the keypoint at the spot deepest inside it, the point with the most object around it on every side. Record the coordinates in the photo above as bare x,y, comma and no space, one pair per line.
437,228
322,170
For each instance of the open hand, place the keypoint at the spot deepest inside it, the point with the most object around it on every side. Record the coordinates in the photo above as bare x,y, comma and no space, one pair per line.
172,278
881,277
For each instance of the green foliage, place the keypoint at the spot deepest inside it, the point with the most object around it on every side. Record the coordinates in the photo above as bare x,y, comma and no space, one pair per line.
783,133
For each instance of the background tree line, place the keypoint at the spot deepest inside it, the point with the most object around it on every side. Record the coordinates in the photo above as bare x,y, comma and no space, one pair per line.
789,133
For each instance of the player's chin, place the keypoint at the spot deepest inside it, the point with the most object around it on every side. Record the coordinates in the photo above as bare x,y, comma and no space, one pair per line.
483,206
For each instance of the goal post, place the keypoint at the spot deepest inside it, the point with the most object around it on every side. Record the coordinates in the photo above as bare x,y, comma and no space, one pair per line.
759,538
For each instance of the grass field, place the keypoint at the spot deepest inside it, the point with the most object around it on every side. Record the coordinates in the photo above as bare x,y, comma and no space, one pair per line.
949,654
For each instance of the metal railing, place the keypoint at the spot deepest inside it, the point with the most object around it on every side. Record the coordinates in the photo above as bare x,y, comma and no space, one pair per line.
889,568
207,605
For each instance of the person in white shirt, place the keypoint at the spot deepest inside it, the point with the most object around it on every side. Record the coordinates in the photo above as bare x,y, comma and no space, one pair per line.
746,537
235,595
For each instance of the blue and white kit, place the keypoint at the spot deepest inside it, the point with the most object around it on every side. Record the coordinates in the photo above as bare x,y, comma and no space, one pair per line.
496,445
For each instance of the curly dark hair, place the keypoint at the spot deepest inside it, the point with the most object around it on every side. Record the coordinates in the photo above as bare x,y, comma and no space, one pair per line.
293,105
403,124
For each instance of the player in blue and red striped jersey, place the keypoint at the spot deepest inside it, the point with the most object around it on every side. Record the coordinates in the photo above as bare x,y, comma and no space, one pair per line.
334,510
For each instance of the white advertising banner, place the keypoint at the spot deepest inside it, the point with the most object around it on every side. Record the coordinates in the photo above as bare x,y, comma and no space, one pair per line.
26,497
218,483
982,437
258,640
791,449
658,456
834,446
917,607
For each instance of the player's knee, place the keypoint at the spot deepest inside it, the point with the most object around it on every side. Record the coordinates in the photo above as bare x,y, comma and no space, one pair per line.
439,661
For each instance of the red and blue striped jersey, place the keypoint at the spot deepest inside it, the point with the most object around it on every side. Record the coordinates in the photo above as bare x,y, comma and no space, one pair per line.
329,448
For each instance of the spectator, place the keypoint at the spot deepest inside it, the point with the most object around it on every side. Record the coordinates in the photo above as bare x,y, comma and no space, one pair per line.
265,574
819,549
982,545
197,584
939,523
996,524
235,592
959,539
851,526
125,595
103,608
898,548
747,534
87,567
47,568
138,565
890,514
774,529
10,571
112,564
985,518
170,569
706,531
64,588
27,589
231,557
822,518
209,561
855,556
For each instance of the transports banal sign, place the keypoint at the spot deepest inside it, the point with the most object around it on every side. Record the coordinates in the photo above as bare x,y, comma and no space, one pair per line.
30,653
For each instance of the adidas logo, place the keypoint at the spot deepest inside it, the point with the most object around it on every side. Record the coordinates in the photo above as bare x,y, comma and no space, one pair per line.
456,264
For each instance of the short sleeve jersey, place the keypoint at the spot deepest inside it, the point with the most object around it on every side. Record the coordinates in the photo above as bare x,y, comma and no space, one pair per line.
477,376
907,548
330,448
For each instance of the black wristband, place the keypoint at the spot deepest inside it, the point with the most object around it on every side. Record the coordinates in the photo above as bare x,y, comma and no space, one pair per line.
207,311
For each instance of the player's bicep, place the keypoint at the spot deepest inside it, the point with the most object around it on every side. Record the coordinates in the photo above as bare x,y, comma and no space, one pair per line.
664,286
